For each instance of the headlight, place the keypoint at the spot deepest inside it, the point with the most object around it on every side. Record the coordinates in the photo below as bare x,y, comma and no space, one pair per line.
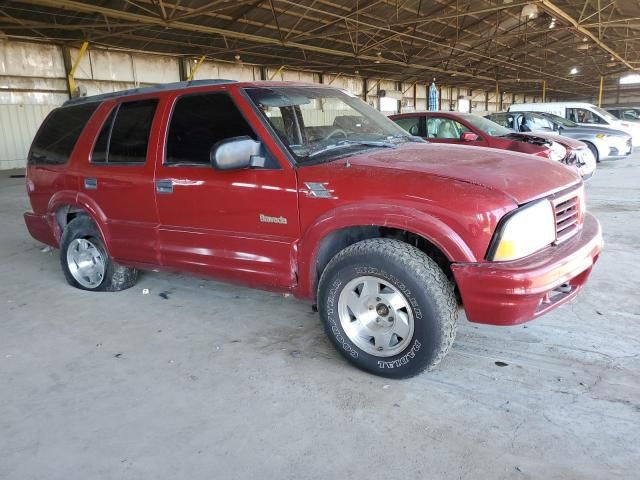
523,232
601,135
558,152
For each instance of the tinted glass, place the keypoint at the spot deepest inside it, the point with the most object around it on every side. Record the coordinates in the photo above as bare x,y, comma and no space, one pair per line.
410,124
99,154
59,133
130,132
199,122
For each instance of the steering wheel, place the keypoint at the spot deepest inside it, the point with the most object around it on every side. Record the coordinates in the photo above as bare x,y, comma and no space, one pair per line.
337,131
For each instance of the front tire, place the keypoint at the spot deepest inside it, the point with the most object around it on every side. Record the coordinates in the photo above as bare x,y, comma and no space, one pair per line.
85,262
594,151
388,308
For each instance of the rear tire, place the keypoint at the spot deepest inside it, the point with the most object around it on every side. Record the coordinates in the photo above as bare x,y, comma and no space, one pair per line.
388,308
85,262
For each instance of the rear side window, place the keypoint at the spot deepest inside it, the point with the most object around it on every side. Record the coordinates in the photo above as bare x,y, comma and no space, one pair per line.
200,121
410,124
59,133
124,137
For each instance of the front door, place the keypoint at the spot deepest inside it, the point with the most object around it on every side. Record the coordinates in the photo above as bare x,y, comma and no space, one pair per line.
238,225
447,130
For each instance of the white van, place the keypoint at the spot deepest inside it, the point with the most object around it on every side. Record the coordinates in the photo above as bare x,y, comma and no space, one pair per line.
583,114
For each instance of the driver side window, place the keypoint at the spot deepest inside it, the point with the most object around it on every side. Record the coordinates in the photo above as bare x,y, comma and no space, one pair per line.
582,115
198,122
444,128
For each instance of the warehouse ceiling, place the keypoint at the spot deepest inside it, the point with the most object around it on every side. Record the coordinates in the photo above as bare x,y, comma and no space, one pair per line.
465,43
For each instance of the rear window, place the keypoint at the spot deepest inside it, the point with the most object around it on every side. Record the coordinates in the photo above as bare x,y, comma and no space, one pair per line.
125,135
59,133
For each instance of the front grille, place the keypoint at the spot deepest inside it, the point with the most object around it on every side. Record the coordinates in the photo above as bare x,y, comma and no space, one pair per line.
567,213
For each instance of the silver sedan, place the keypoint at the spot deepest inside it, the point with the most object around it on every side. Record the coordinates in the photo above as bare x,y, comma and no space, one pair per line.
604,143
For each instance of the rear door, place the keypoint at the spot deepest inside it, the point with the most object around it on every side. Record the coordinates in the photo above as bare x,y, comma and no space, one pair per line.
237,224
413,124
119,178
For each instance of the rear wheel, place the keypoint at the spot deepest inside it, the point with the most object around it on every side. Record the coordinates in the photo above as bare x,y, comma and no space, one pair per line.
388,308
85,261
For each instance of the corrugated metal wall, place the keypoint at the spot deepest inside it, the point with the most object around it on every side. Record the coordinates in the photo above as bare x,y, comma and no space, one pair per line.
19,124
32,82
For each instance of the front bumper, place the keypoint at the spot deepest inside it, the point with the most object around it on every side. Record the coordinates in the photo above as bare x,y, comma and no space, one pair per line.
509,293
618,147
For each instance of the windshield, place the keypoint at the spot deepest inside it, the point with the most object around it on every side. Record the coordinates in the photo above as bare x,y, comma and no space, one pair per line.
318,124
604,114
487,126
561,120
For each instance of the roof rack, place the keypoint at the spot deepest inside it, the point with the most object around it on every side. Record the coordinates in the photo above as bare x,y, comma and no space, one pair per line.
155,88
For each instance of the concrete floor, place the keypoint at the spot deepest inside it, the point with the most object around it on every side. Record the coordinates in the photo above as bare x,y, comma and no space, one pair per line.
218,381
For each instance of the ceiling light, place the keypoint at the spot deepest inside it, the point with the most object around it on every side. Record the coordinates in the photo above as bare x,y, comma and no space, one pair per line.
582,46
630,79
573,71
553,23
529,11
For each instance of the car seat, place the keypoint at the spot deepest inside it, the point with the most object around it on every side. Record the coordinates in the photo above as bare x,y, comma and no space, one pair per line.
445,130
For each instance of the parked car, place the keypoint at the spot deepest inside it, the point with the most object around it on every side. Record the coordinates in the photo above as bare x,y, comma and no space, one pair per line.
470,129
604,143
582,114
306,189
629,114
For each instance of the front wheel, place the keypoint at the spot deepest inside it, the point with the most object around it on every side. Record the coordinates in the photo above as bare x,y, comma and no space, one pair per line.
388,308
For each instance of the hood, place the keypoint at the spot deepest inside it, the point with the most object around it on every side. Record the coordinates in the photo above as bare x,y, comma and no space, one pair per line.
585,130
522,177
562,140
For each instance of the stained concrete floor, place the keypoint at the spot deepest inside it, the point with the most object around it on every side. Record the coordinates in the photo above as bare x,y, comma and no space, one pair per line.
218,381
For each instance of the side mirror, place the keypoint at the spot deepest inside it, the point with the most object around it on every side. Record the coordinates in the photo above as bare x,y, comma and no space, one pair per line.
469,137
236,153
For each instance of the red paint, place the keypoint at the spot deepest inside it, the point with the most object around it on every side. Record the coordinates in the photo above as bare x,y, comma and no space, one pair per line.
454,196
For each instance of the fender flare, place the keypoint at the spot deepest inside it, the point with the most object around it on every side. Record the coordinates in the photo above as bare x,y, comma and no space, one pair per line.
84,202
380,215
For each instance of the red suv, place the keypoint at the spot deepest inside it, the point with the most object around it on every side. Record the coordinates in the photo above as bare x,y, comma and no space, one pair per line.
307,189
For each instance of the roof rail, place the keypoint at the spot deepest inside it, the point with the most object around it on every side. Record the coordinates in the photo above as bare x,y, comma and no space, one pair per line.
155,88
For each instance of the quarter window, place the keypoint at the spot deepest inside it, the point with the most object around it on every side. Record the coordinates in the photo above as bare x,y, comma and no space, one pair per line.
124,137
59,133
199,122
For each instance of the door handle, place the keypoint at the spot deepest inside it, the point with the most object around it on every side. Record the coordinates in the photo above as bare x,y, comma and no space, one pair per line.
164,186
90,183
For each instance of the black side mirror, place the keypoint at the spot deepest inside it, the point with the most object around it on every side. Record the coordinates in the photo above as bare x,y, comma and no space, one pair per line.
236,153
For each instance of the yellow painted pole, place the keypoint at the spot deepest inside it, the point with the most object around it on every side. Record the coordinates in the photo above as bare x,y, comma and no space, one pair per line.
74,67
600,93
498,106
544,91
195,68
277,72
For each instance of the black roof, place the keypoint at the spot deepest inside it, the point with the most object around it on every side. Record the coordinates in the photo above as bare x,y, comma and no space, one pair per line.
155,88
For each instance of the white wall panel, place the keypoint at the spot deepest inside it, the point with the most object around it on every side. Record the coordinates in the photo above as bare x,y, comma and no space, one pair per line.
30,59
155,69
19,125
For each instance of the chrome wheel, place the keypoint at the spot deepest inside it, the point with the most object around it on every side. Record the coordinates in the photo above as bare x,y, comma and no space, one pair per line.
86,263
376,316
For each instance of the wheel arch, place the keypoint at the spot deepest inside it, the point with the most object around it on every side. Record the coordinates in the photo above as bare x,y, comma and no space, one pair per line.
330,235
65,206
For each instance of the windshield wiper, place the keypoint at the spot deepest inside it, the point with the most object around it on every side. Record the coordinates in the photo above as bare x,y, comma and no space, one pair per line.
343,143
